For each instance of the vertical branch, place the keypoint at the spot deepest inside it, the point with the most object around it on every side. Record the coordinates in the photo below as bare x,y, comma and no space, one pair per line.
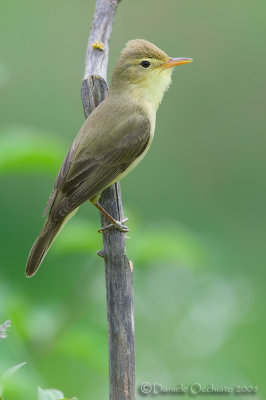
118,269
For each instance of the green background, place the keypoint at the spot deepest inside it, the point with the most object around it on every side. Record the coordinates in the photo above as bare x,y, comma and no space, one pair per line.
196,203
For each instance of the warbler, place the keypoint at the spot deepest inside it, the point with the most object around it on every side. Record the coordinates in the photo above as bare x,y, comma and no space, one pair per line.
111,142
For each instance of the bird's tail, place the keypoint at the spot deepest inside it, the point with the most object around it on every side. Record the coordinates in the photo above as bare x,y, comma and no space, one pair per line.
42,245
44,241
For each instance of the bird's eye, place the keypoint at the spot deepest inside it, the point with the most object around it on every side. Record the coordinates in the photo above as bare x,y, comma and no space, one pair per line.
145,64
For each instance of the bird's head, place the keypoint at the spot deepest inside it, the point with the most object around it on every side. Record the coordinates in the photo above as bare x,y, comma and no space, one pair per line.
144,70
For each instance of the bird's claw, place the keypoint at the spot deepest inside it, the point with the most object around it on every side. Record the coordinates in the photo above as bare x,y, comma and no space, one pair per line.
118,225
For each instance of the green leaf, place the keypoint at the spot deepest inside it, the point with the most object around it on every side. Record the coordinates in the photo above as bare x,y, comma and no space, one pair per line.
11,371
50,394
167,244
3,329
29,150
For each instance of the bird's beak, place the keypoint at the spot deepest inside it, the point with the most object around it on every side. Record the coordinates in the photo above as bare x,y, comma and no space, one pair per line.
172,62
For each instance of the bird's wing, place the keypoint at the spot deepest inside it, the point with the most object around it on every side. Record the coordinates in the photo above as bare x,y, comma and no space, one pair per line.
85,138
91,169
61,177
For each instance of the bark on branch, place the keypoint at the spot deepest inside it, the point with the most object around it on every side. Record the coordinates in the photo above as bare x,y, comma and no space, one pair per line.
118,269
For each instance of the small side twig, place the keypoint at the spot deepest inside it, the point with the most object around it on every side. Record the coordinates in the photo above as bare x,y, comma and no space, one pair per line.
118,269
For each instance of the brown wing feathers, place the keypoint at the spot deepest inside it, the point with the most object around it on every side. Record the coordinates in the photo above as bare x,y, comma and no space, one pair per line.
89,177
89,167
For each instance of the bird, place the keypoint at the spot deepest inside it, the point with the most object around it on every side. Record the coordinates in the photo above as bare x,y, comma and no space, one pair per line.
112,141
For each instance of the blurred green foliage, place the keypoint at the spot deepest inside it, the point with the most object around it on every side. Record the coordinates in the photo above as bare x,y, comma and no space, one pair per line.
196,203
33,151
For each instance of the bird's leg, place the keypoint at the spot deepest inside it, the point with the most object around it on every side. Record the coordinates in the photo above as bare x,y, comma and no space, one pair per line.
119,225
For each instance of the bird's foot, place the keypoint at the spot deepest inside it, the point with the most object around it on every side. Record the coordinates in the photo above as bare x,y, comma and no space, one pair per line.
118,225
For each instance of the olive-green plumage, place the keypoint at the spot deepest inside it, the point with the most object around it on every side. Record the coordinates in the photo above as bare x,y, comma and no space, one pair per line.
113,139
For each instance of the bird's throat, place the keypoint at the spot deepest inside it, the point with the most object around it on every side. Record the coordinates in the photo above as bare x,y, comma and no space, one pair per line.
151,92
